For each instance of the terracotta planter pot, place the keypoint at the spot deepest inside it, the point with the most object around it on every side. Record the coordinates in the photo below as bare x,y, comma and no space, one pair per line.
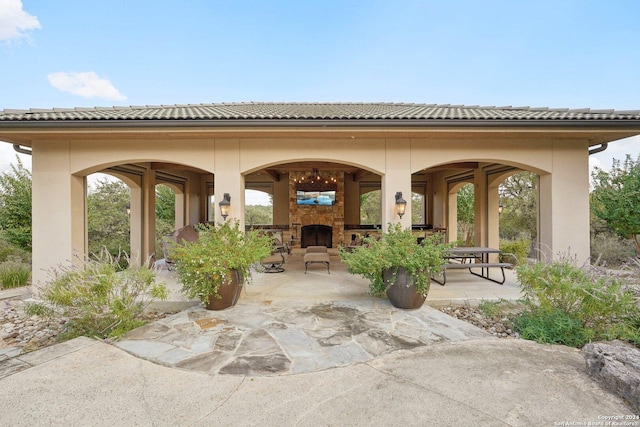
403,293
229,293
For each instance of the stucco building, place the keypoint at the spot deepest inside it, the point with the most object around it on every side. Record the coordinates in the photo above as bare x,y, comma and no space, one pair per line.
205,151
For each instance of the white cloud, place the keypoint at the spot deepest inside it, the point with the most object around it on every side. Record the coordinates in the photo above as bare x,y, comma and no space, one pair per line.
14,21
87,85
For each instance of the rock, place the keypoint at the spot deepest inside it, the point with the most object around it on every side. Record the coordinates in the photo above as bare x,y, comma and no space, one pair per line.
616,366
10,335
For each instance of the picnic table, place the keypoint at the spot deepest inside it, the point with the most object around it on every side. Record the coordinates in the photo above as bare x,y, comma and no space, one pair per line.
474,257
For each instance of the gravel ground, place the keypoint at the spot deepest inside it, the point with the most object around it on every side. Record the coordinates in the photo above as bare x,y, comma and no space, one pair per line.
30,333
499,325
26,332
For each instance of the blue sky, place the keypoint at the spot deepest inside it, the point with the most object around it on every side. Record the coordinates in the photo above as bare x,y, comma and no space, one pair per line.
558,53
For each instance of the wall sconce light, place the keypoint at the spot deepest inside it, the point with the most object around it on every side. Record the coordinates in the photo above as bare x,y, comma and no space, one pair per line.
500,208
225,205
401,204
128,208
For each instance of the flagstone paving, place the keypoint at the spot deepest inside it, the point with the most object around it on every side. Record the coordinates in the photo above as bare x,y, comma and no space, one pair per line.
287,337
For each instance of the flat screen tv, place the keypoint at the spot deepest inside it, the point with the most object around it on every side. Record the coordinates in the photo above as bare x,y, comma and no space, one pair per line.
316,198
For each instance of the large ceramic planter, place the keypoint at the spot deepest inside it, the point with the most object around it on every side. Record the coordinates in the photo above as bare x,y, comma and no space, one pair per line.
403,292
229,293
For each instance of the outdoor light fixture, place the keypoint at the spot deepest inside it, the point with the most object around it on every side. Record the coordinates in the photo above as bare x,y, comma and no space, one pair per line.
500,207
128,208
225,205
315,177
401,204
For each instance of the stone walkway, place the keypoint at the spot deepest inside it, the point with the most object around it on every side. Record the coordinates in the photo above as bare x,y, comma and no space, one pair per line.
287,337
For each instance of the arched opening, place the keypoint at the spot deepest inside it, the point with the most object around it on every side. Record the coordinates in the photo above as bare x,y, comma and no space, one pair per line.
160,197
108,215
318,200
518,213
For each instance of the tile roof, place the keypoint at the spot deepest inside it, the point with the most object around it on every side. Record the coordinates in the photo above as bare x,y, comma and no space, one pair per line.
274,112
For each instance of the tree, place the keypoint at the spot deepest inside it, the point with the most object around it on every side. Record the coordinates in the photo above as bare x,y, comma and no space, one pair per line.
370,212
165,214
258,215
165,204
108,221
15,205
466,213
616,198
518,198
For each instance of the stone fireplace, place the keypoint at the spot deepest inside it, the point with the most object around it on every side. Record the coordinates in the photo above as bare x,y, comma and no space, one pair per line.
317,224
316,235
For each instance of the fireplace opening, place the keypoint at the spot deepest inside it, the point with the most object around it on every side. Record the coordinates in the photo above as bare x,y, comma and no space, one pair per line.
316,235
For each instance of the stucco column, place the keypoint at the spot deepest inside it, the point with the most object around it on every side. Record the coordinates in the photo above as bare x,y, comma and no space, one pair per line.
397,177
493,220
452,216
480,198
58,210
135,222
228,179
281,201
149,215
564,204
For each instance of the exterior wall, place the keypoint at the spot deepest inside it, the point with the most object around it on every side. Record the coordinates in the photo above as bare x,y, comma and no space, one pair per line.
59,228
564,203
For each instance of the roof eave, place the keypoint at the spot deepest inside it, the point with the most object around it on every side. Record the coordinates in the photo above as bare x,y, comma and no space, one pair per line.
324,123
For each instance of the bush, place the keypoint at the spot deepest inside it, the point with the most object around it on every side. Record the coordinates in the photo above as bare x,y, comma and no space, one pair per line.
555,327
209,262
14,274
98,298
573,304
515,251
9,251
611,249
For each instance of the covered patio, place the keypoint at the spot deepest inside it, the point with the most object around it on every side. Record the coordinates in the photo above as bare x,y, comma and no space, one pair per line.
210,152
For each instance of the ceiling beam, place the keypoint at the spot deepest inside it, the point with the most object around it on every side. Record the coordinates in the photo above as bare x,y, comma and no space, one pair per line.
274,175
358,175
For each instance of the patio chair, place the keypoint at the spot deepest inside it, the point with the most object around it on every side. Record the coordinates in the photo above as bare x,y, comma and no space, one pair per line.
184,234
273,263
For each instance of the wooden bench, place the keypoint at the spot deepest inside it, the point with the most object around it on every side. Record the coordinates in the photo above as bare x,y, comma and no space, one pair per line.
316,254
485,266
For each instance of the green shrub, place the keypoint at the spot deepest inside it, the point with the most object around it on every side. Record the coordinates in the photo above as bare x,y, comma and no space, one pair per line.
98,298
515,251
602,307
14,274
554,327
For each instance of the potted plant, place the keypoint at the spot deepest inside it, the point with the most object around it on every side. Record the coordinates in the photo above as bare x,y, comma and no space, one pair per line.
214,267
397,265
